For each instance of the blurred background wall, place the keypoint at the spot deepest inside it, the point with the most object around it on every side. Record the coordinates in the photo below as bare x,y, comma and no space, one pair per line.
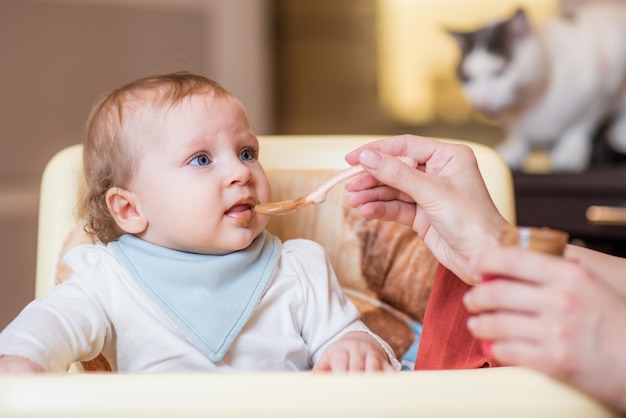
299,66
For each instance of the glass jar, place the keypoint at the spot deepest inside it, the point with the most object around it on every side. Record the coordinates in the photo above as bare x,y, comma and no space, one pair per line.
546,240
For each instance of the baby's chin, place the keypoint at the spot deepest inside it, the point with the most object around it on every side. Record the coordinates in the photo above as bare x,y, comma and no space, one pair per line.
244,218
254,222
238,242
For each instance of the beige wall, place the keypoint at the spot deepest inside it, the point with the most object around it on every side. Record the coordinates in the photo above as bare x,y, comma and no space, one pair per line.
56,57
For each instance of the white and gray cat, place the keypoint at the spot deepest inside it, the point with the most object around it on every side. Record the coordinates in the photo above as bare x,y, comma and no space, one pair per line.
550,86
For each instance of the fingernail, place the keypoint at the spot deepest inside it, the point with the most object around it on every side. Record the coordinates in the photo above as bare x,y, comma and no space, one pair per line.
466,298
485,346
474,279
474,276
471,323
370,159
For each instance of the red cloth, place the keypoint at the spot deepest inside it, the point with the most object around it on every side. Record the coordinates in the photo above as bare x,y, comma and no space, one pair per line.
445,342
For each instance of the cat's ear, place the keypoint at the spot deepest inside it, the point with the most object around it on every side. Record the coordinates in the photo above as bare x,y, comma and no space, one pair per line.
519,26
459,37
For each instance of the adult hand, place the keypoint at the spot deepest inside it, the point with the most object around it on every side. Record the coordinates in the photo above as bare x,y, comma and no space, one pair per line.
443,198
555,316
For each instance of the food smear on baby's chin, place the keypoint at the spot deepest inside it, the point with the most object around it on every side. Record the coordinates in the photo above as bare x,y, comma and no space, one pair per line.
242,214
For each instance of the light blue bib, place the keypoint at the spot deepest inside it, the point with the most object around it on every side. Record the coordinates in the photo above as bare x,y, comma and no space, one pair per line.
209,297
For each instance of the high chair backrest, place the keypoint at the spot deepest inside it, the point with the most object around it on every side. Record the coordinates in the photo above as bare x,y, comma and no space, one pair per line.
62,181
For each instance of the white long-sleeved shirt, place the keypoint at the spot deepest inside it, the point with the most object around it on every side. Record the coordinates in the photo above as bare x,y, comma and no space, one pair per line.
100,308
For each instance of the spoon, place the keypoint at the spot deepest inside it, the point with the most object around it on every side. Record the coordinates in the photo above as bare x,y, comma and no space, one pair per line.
315,197
318,195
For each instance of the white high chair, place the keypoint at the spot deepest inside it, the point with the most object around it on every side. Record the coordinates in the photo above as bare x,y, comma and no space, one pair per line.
498,392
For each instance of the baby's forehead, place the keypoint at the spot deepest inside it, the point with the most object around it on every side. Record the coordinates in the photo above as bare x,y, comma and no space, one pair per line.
145,118
159,105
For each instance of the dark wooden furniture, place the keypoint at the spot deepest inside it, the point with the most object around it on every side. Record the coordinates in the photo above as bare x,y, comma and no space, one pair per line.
590,206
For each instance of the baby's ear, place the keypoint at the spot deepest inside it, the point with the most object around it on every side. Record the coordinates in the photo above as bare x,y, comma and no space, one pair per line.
125,209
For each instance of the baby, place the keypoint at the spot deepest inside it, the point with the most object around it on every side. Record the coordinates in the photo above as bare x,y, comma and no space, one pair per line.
185,277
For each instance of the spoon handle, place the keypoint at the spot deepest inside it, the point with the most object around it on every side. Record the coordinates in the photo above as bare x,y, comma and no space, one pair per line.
319,194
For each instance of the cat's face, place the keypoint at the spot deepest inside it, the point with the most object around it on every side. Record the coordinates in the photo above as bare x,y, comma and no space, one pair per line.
487,68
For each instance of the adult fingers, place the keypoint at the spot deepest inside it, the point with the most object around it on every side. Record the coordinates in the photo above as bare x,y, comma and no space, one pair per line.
359,195
389,170
408,145
520,353
553,358
504,325
524,264
506,294
396,211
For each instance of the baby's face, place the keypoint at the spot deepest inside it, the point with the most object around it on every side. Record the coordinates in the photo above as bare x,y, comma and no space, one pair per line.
199,176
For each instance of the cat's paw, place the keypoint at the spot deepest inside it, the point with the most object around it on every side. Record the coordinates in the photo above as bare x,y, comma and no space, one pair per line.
572,160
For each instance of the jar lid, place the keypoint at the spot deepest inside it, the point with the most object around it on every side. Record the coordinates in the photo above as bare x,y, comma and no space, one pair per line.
547,240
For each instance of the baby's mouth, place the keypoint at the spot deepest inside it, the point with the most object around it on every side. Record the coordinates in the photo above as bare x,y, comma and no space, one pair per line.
242,213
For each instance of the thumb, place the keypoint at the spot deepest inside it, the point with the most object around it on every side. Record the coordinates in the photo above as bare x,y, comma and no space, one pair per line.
398,172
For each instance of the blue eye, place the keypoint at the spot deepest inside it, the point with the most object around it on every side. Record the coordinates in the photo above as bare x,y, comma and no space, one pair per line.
247,155
200,160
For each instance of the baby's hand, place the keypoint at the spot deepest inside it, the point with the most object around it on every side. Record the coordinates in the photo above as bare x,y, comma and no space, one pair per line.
355,351
15,364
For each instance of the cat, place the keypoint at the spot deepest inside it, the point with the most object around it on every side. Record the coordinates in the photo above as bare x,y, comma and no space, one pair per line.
550,86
